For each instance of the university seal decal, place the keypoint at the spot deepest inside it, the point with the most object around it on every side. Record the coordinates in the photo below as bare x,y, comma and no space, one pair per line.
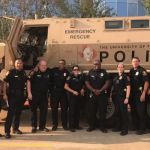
88,53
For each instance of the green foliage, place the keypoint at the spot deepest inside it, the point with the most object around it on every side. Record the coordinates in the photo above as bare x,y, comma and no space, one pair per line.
147,5
83,8
5,27
28,9
47,8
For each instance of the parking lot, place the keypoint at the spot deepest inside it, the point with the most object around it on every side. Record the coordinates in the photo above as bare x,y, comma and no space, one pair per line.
65,140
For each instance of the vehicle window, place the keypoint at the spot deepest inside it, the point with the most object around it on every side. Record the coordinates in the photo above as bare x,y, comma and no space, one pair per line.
139,23
114,24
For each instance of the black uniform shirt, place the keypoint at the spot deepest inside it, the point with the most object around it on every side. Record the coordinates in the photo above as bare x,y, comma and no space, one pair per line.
40,81
16,79
120,83
75,82
59,78
97,78
137,78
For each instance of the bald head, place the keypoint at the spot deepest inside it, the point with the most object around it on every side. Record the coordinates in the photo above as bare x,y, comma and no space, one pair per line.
42,65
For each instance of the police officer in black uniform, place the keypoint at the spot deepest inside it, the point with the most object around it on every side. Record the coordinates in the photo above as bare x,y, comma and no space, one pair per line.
1,97
58,94
97,83
75,86
139,86
120,95
37,89
15,97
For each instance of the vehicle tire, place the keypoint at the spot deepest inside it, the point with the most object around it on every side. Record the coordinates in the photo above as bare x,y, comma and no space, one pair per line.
148,112
110,114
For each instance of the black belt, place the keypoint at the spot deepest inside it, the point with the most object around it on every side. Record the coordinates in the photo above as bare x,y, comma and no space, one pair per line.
39,92
16,90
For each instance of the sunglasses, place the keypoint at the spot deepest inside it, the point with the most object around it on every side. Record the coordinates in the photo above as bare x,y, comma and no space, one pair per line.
75,69
61,63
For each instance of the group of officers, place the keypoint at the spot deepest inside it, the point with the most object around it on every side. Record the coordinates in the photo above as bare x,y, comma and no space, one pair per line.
68,89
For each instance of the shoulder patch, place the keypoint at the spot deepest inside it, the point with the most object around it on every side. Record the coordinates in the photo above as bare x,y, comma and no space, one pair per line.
30,74
148,92
144,73
7,73
68,78
24,73
92,70
128,78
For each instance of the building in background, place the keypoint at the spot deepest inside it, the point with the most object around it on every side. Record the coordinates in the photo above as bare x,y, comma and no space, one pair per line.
126,7
123,7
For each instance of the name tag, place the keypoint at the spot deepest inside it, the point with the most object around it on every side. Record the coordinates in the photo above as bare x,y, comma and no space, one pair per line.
65,74
102,74
46,76
38,75
92,76
120,78
117,81
137,73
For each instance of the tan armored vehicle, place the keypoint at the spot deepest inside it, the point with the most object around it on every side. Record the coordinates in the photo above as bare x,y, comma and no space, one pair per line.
80,41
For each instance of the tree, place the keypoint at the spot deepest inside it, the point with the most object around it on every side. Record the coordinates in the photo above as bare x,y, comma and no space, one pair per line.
62,8
5,27
83,8
27,8
47,8
147,5
87,8
3,7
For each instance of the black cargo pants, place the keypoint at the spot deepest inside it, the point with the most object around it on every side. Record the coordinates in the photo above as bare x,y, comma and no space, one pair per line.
39,100
97,105
138,111
16,101
121,113
56,99
74,110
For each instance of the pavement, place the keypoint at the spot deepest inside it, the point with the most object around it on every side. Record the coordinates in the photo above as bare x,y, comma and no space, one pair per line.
66,140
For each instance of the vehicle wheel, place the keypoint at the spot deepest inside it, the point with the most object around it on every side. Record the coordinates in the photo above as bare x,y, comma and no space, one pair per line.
110,114
110,110
148,108
148,113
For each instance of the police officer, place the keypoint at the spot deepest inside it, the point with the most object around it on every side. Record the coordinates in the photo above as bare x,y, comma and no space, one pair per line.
15,81
139,86
37,89
97,83
75,86
1,97
58,94
120,95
